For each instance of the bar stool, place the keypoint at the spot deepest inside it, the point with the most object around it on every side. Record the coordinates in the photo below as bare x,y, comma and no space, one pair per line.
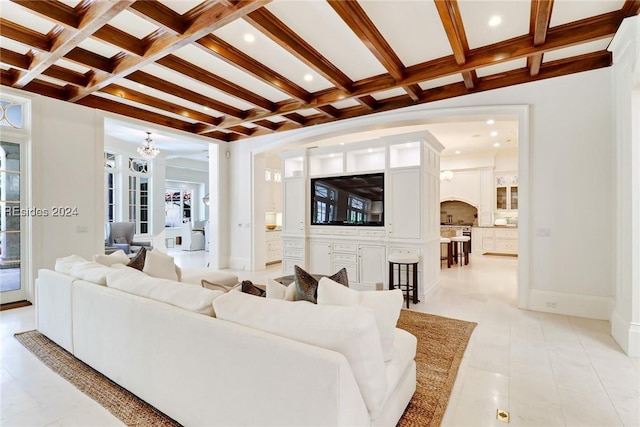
449,257
407,263
461,248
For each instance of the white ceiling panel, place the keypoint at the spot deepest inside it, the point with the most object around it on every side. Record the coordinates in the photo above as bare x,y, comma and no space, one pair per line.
191,84
565,11
95,46
346,103
70,65
220,68
132,24
476,16
420,37
52,80
389,94
180,6
318,24
454,78
502,67
71,3
307,112
569,52
268,52
15,13
13,45
136,133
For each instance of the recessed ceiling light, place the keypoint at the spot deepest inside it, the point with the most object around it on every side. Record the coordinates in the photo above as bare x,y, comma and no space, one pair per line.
140,85
496,144
342,143
249,38
457,151
370,150
494,133
205,108
495,21
308,77
490,121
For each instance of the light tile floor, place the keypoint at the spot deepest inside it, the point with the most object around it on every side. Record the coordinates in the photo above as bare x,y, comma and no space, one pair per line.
545,369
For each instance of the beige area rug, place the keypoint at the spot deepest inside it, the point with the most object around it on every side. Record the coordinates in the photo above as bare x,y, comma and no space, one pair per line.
441,344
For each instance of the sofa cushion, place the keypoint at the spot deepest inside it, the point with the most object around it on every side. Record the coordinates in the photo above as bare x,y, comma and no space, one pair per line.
307,285
65,264
113,258
91,272
189,297
351,331
159,264
386,306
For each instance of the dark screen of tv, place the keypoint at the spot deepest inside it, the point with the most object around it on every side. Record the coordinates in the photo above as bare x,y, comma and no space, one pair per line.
348,200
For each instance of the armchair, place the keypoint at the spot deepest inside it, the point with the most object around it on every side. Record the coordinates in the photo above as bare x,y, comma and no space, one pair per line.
120,235
192,238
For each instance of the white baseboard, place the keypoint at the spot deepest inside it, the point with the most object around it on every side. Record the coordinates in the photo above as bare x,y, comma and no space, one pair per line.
588,306
626,334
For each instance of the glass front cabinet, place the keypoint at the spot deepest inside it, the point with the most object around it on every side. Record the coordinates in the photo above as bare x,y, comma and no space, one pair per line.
507,192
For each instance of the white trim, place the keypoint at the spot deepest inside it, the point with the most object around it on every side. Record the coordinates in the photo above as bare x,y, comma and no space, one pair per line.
626,334
592,307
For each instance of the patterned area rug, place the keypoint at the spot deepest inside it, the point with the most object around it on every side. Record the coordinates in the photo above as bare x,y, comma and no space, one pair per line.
441,344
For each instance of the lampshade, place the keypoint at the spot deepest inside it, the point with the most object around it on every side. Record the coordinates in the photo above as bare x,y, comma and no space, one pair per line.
376,207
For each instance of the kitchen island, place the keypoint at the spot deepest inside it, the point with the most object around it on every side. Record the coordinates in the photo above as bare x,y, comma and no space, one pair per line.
502,240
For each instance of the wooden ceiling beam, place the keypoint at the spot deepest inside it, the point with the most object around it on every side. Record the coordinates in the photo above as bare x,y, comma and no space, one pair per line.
14,59
52,10
160,15
358,21
66,75
139,97
207,78
92,17
24,35
277,31
89,59
201,25
164,86
119,38
413,91
539,25
221,49
330,111
454,28
367,101
631,8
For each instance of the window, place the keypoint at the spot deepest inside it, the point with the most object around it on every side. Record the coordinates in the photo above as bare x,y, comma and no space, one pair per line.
358,208
110,186
139,201
10,114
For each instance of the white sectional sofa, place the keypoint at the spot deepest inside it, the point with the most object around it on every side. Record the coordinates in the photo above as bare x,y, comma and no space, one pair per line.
309,365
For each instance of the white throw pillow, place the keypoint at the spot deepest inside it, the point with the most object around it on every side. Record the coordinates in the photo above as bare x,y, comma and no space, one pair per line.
351,331
159,264
279,291
114,258
192,298
64,265
386,306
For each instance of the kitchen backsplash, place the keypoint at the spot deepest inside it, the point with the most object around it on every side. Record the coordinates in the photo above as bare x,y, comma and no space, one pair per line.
457,212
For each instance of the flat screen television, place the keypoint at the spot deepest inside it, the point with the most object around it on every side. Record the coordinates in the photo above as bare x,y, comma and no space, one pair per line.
352,200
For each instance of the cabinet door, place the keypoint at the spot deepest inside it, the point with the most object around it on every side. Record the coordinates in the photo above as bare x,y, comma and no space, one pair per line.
372,265
404,204
501,198
513,198
320,258
293,217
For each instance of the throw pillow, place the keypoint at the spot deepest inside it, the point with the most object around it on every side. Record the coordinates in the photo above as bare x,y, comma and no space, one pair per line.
64,265
216,286
386,306
277,290
116,257
137,261
307,285
249,288
160,265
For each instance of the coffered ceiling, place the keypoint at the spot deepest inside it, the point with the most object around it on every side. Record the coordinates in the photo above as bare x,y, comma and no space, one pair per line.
229,69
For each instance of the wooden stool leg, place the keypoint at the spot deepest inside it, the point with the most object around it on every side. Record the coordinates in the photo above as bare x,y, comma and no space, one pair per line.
449,254
415,284
391,287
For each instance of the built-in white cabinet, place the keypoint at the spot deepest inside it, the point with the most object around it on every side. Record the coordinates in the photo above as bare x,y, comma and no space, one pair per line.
404,210
507,192
293,218
410,208
273,243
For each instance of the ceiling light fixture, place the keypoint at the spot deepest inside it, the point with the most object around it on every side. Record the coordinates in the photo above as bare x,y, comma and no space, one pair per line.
496,144
446,176
494,133
147,151
308,77
249,38
490,121
495,21
457,151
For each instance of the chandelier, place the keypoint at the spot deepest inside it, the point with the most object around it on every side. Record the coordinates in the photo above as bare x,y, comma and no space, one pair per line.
446,176
147,151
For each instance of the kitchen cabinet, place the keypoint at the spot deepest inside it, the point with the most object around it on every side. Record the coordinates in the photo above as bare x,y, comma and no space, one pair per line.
371,266
507,192
499,240
273,246
320,257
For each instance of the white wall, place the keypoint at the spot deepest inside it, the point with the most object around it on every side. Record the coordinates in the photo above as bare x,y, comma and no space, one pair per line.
570,184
